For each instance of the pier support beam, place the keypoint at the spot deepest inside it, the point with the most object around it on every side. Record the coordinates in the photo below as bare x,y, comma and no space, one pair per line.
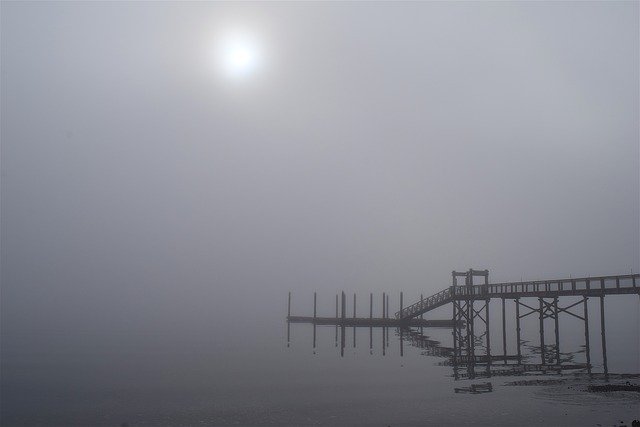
604,338
518,339
401,329
314,319
586,334
342,331
542,355
487,335
455,329
387,317
384,316
288,323
504,332
486,321
370,327
557,329
354,316
337,317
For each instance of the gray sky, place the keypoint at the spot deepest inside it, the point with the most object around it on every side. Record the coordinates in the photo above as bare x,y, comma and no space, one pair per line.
377,147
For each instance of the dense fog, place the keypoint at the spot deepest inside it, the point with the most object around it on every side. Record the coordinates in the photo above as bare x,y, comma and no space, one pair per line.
375,147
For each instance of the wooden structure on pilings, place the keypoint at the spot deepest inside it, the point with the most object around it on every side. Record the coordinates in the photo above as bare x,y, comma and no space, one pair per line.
470,303
470,323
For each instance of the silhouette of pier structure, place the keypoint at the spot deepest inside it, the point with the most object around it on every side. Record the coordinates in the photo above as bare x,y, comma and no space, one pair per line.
470,321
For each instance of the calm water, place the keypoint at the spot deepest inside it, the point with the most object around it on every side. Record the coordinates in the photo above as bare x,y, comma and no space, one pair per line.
245,374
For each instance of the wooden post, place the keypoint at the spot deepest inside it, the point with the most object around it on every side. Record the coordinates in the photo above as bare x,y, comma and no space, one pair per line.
370,317
400,328
504,332
604,338
288,322
314,319
354,316
388,317
384,316
586,334
471,341
486,315
384,305
454,332
517,300
488,333
542,332
342,334
337,316
557,329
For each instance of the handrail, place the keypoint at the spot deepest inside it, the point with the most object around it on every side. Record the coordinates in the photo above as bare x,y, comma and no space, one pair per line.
590,283
425,303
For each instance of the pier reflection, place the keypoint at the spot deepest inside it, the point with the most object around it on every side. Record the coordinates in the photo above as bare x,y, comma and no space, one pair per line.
531,357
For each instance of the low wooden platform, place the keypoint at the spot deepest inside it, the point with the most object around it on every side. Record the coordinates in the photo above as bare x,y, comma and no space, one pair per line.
371,322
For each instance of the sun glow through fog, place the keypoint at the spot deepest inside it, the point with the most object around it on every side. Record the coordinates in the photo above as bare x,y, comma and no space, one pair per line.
238,55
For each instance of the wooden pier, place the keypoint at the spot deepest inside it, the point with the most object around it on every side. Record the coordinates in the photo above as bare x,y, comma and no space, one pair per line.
469,322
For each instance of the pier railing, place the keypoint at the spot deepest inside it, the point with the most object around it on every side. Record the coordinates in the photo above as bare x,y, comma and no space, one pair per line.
441,298
584,286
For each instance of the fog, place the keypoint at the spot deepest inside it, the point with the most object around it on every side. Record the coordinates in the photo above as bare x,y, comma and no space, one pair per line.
378,147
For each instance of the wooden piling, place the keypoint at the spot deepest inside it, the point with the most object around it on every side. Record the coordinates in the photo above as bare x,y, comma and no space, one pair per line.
288,323
354,316
486,323
586,334
388,317
454,331
314,319
488,333
342,332
384,316
557,329
517,300
604,338
504,332
370,317
401,329
542,331
337,316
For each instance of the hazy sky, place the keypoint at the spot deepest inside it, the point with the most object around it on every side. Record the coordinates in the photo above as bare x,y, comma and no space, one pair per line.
375,146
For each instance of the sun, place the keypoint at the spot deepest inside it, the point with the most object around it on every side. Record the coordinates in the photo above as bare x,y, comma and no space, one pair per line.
238,55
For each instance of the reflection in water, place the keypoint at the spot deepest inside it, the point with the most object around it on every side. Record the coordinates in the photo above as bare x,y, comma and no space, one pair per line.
468,351
477,362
